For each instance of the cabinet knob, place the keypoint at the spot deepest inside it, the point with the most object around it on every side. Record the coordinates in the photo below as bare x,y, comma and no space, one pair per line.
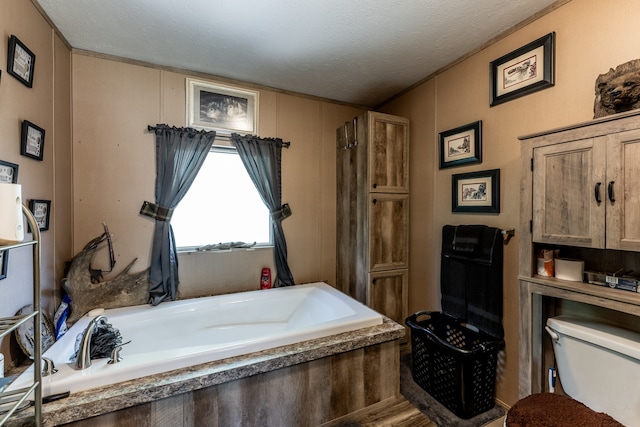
597,192
375,185
610,191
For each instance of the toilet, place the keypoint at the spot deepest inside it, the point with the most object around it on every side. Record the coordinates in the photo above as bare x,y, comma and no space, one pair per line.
598,365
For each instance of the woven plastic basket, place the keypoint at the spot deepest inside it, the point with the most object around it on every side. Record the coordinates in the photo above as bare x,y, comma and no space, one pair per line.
454,364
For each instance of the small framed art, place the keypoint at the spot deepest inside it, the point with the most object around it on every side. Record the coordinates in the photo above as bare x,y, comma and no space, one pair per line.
462,145
225,109
32,141
523,71
41,210
8,172
476,192
4,264
21,61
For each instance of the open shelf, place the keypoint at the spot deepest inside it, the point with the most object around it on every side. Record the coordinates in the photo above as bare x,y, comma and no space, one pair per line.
16,398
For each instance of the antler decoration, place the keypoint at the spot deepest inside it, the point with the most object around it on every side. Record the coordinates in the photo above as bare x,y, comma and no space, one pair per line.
84,286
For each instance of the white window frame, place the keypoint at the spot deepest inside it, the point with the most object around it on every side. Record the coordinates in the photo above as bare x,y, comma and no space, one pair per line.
218,148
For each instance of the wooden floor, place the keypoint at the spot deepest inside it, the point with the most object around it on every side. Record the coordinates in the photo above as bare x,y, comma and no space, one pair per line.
391,413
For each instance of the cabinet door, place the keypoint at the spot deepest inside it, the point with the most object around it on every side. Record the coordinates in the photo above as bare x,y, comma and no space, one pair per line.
388,231
388,153
568,181
388,294
623,191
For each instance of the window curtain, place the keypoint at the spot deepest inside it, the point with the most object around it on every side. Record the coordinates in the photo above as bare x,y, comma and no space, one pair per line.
180,153
262,159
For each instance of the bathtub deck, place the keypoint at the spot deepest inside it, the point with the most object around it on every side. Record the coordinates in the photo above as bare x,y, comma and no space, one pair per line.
322,379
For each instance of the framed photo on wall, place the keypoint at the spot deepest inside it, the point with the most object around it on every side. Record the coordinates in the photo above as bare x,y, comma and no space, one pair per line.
8,172
21,61
41,210
476,192
462,145
225,109
525,70
32,141
4,264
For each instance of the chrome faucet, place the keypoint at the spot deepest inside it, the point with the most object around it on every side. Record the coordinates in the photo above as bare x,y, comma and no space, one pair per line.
49,367
83,360
115,356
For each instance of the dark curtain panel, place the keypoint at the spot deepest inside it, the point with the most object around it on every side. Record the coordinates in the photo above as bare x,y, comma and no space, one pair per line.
262,159
180,153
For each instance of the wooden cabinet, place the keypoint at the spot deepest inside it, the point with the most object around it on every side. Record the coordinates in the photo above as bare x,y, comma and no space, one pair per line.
579,194
585,187
623,183
387,235
565,207
373,212
387,292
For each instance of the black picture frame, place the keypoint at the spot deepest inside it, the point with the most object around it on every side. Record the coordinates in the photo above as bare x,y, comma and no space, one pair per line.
476,191
461,146
21,61
528,69
8,172
4,264
41,210
32,140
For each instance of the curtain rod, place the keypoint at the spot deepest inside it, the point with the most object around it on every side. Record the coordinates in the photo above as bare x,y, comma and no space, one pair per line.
285,144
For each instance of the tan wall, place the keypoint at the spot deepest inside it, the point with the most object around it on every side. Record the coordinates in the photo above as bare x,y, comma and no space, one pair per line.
108,172
591,37
114,172
47,104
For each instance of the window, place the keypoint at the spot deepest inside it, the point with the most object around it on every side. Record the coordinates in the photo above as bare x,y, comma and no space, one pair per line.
221,206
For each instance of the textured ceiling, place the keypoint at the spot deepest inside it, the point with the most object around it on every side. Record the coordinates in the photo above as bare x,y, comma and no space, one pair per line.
356,51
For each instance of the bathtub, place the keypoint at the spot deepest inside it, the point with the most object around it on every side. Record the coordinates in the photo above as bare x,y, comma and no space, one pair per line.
179,334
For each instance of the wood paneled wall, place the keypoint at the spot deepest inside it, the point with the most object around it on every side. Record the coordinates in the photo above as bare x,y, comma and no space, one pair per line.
307,394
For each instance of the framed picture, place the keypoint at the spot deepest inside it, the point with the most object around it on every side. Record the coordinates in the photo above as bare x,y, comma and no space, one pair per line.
20,61
462,145
523,71
4,264
225,109
8,172
32,144
41,210
476,192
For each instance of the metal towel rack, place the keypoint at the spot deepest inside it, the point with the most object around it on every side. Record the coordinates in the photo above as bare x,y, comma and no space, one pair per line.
508,234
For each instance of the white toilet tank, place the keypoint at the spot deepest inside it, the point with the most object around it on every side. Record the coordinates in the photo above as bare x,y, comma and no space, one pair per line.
599,365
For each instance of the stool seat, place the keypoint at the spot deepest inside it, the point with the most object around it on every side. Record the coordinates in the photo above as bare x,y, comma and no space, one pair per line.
555,410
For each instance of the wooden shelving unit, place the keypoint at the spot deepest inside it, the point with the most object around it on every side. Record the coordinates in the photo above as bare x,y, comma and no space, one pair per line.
576,192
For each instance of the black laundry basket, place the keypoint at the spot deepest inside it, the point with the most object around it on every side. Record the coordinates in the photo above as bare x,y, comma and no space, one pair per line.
454,364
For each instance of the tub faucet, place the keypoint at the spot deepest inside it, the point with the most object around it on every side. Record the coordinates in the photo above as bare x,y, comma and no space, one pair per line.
49,367
83,360
115,356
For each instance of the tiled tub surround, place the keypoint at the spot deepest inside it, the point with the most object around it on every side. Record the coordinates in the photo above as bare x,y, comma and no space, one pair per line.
305,383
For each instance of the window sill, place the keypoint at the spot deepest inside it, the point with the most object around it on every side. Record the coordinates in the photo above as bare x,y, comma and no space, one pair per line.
190,251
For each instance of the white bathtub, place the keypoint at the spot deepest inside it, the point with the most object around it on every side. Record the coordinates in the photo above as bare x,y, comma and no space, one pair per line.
184,333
